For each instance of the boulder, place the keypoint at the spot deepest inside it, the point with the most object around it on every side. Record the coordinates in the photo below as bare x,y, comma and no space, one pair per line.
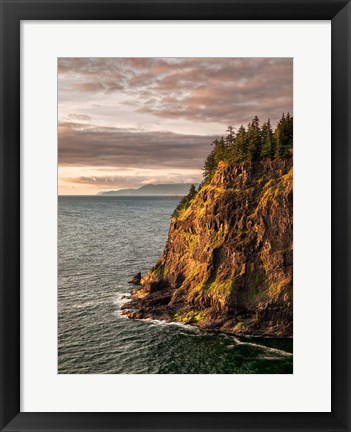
135,279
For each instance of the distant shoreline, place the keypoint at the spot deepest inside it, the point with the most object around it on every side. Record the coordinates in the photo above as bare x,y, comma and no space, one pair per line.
124,196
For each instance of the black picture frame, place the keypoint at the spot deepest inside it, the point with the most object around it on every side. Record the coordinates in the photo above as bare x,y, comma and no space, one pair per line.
12,12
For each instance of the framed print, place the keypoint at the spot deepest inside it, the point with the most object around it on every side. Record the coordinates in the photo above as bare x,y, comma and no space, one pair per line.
174,215
206,278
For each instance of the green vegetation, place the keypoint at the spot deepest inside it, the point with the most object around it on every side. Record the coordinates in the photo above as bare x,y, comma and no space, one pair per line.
248,145
252,144
189,317
185,201
159,272
223,287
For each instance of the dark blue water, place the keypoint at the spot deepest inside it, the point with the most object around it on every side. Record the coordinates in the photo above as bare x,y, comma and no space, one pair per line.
103,241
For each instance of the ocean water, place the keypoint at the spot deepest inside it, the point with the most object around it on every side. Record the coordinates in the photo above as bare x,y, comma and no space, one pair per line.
102,243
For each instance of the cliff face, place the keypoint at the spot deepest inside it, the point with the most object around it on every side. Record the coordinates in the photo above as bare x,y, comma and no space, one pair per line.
228,260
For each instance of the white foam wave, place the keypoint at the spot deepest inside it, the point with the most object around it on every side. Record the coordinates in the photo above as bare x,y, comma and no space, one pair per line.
263,347
120,300
157,322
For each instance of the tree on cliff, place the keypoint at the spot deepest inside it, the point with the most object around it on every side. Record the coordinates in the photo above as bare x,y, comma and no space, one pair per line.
185,201
230,138
268,148
221,150
192,192
239,151
284,136
210,165
254,140
251,145
217,154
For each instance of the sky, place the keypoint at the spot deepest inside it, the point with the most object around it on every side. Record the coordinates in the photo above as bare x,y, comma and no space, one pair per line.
127,122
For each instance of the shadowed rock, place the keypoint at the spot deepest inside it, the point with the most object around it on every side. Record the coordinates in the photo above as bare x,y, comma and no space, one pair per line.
135,279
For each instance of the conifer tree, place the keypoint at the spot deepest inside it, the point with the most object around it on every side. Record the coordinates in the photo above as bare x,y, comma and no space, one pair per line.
289,130
210,164
192,192
229,139
251,145
267,149
220,150
279,137
241,146
254,140
185,201
284,136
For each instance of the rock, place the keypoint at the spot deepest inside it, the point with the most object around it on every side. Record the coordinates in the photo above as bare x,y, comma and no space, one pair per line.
135,279
227,263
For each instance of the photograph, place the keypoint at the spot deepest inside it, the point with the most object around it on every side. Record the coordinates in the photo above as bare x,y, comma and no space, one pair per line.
175,215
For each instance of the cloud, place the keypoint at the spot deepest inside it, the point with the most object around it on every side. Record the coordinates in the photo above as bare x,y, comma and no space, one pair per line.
81,117
87,145
225,90
158,115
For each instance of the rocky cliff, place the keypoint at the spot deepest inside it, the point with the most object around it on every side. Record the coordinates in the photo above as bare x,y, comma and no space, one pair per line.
228,260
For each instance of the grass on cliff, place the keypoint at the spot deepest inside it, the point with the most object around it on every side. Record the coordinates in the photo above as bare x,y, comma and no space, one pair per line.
271,190
219,287
159,272
189,317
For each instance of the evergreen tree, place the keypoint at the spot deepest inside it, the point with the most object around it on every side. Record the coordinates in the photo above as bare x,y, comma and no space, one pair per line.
289,130
279,137
254,140
284,136
210,164
267,139
185,201
220,150
240,147
251,145
229,139
217,154
192,192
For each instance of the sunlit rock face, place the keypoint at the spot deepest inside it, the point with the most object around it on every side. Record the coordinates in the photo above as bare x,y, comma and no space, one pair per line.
228,260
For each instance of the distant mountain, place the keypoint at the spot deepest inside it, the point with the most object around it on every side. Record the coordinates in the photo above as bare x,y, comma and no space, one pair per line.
151,189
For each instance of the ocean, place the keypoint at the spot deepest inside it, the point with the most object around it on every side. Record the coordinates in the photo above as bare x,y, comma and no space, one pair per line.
102,243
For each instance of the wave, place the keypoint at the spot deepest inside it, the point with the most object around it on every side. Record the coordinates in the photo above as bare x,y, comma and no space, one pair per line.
120,300
264,347
156,322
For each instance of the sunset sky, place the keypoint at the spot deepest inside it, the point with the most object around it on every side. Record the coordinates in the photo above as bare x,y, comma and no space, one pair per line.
125,122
